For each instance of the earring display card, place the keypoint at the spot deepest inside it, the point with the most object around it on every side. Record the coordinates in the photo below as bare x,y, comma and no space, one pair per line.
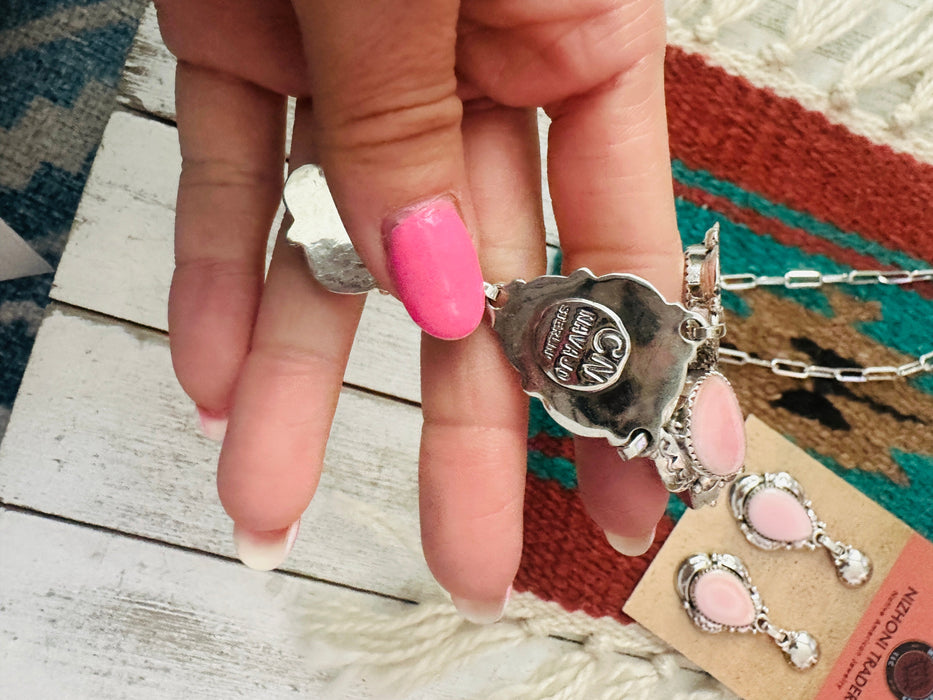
876,641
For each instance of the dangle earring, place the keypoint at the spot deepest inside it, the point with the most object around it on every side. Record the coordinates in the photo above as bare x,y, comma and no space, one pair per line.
718,596
774,513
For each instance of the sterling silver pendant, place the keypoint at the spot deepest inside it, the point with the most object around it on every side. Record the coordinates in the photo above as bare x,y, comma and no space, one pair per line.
610,357
597,375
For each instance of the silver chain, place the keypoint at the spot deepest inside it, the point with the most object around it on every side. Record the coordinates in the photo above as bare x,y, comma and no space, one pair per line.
812,279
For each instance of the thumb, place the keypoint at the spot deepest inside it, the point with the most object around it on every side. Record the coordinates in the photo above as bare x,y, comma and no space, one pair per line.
387,130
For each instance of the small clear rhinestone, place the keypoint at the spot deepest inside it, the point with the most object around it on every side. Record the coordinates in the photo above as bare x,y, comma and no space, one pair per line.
802,649
854,567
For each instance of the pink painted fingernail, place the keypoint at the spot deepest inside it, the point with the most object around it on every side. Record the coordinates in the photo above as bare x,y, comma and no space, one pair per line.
482,612
631,546
213,426
717,429
435,269
264,551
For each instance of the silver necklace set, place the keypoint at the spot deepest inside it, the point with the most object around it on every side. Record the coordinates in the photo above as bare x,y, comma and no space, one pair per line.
610,357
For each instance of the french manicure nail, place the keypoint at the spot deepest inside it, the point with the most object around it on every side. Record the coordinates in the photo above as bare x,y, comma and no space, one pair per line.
631,546
718,431
481,612
264,551
213,426
435,269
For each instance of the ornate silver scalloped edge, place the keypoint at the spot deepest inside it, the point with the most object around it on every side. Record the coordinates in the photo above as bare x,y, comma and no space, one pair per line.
702,294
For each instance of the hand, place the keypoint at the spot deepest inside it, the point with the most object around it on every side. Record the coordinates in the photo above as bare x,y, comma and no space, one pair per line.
423,122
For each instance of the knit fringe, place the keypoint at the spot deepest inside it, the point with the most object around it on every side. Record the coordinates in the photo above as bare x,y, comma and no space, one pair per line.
400,653
897,49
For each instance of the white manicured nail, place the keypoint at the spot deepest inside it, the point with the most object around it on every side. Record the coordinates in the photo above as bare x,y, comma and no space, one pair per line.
264,551
631,546
481,612
213,427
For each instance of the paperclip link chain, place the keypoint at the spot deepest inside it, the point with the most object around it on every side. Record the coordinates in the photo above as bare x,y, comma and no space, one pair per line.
812,279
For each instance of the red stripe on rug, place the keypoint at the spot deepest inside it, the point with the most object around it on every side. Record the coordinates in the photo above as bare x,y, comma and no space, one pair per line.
567,559
775,147
551,446
787,235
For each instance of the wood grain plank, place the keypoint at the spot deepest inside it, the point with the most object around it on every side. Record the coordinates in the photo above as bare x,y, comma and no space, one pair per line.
102,433
119,257
148,80
148,86
89,615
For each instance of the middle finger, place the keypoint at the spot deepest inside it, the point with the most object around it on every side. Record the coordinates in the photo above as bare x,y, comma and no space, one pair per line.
473,447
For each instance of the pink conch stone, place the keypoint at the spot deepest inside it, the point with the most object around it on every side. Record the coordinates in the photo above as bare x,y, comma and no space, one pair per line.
777,515
717,429
723,598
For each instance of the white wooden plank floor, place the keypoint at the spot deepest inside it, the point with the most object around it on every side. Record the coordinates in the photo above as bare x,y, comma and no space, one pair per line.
110,439
117,576
86,613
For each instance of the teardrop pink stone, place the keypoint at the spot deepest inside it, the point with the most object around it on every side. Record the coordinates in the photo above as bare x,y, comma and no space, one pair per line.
717,430
723,598
777,515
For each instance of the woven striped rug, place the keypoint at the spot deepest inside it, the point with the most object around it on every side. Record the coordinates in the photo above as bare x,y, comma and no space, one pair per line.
791,190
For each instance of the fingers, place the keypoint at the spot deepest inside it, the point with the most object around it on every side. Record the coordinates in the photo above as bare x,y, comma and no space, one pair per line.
610,181
232,146
256,40
626,499
387,123
285,398
475,414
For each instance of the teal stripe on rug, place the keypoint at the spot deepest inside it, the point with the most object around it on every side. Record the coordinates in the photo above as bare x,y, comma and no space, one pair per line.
541,465
791,217
540,422
561,470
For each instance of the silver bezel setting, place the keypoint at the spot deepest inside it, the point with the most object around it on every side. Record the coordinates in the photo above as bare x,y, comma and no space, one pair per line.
853,567
696,566
682,468
645,405
644,393
800,648
678,464
748,486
